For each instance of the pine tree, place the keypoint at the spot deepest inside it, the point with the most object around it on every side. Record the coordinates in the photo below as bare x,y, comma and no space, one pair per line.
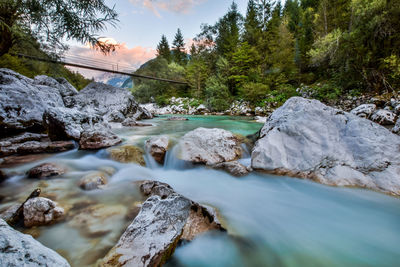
178,49
252,27
228,31
163,49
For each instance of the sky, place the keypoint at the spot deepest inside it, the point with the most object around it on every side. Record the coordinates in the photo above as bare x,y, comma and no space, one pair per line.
142,22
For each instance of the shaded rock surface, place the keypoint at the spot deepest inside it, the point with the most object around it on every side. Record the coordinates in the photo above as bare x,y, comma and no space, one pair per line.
115,104
165,218
97,139
306,138
92,181
46,170
30,143
209,146
55,106
3,176
17,249
67,123
41,211
157,147
127,154
22,102
233,167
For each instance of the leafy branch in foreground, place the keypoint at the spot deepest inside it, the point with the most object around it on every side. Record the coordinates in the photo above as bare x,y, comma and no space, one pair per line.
53,21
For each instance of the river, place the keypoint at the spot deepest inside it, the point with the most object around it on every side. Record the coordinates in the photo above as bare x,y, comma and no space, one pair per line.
271,221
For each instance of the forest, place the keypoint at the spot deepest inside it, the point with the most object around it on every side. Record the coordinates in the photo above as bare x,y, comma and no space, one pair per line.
323,48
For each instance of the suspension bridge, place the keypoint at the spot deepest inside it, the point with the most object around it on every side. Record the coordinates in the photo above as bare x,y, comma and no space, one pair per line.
98,65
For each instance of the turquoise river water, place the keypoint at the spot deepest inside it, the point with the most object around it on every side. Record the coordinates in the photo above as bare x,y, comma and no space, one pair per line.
271,221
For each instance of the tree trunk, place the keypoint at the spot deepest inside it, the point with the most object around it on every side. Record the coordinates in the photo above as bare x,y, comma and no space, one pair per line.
6,41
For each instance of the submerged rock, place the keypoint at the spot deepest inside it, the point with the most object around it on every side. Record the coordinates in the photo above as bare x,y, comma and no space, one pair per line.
46,170
97,139
131,122
92,181
177,119
164,219
127,154
17,249
157,147
209,146
41,211
233,167
96,221
305,138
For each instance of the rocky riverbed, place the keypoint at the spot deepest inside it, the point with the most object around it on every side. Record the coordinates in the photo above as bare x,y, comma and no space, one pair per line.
110,190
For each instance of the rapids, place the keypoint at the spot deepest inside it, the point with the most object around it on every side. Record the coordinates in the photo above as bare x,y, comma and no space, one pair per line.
271,221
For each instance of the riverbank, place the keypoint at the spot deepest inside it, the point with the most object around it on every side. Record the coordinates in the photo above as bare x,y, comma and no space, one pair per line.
103,201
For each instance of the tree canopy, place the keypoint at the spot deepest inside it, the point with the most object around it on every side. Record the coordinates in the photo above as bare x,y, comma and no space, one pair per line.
52,21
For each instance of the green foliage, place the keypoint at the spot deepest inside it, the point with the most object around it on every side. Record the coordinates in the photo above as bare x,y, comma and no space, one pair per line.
53,21
255,93
163,49
217,94
339,47
178,49
32,68
145,90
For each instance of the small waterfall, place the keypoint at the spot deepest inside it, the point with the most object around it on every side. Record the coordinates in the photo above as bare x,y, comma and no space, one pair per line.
150,161
246,153
173,163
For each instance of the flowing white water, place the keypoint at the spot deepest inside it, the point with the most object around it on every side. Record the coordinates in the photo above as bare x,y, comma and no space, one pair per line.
271,221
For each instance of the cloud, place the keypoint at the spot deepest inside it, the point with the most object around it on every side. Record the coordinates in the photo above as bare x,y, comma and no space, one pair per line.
174,6
123,59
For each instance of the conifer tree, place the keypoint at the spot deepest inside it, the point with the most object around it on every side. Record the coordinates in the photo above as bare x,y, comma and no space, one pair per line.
178,49
163,49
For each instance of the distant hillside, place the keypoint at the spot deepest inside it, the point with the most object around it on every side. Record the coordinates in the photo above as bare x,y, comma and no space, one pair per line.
116,80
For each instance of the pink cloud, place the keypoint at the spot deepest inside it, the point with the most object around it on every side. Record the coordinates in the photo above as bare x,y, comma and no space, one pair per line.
175,6
123,59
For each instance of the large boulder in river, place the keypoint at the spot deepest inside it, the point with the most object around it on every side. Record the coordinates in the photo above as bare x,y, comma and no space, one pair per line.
23,102
305,138
97,139
209,146
157,147
115,104
41,211
46,170
66,124
153,235
17,249
165,218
